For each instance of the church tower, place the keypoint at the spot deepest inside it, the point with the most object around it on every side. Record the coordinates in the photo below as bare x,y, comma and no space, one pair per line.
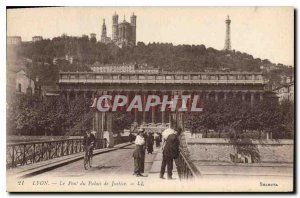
133,26
227,37
115,27
103,35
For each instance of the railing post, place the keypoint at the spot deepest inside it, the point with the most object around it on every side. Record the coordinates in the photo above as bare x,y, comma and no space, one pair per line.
72,148
62,148
42,153
56,149
33,160
68,146
24,154
50,145
13,157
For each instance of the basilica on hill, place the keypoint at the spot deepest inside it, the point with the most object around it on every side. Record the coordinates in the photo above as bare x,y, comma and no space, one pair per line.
123,34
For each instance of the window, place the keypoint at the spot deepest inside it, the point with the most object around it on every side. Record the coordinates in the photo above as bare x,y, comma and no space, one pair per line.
178,77
231,77
240,77
159,77
81,76
99,77
195,77
222,77
258,77
64,76
150,77
133,77
203,77
72,76
106,77
186,77
169,77
249,77
213,77
142,77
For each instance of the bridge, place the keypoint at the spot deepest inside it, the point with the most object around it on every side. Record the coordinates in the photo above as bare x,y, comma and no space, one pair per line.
64,170
63,158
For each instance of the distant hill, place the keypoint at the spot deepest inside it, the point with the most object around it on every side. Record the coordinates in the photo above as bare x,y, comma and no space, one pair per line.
167,56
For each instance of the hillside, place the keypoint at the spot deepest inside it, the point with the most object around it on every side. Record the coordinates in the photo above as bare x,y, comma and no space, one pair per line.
164,55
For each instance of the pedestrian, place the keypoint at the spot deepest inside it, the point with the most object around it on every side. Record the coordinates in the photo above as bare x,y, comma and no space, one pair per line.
150,142
157,140
170,151
138,153
144,150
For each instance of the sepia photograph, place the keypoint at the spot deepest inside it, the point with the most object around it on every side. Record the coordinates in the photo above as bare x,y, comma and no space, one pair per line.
150,99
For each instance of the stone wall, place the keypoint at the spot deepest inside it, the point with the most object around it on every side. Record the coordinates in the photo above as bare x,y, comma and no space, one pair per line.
219,150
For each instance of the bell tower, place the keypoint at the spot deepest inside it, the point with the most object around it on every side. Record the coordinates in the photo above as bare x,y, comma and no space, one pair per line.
115,27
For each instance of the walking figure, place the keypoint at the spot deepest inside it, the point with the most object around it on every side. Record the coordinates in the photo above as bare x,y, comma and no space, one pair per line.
170,151
139,154
150,142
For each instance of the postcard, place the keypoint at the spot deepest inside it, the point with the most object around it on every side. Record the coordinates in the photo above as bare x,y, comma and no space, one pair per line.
150,99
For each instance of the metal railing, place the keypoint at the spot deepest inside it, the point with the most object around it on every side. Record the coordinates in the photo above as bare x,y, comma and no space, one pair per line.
185,167
20,154
121,139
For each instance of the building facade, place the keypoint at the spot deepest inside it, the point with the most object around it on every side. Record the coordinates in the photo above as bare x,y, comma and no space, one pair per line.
124,68
14,40
19,82
285,92
37,38
123,34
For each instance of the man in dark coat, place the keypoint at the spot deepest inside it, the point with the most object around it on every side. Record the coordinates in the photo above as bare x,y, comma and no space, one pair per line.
150,142
89,142
170,152
144,151
139,154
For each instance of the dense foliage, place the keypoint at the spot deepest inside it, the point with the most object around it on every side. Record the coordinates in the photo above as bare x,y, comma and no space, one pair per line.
30,115
164,55
241,120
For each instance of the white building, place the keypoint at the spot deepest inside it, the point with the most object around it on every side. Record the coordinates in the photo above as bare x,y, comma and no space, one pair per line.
285,92
123,68
13,40
37,38
23,83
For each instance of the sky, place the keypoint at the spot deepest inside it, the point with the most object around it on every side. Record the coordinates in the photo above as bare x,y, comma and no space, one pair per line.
264,32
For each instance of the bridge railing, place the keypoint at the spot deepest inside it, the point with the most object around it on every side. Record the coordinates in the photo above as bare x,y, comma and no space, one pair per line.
185,167
121,139
20,154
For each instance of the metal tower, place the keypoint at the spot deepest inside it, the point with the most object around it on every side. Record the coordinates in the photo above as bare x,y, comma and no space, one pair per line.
227,37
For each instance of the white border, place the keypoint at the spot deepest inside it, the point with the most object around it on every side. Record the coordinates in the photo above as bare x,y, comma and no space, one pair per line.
5,3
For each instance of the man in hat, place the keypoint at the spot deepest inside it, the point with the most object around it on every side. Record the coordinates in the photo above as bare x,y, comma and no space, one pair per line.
170,151
139,153
89,142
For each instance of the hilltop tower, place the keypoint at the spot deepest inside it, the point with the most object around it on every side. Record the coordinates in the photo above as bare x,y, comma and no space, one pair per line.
104,34
115,27
133,26
227,37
